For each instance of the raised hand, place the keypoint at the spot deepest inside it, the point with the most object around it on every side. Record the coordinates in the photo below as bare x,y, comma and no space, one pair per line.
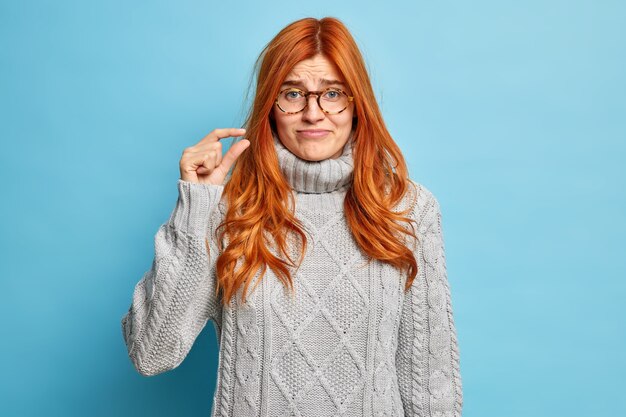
203,162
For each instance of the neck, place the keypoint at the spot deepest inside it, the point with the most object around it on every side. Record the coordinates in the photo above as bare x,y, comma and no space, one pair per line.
316,177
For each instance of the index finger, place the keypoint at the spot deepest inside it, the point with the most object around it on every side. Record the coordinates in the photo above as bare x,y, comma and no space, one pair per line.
218,134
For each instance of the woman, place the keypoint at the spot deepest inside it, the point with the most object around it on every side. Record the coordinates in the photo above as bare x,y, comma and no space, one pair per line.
320,263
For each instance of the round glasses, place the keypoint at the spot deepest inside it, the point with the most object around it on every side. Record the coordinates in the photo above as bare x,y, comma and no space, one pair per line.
331,100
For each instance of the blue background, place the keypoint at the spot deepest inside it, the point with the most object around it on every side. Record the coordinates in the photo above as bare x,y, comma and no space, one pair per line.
511,113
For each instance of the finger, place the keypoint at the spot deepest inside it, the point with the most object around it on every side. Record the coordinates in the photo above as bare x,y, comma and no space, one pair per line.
201,159
218,134
233,153
208,150
218,157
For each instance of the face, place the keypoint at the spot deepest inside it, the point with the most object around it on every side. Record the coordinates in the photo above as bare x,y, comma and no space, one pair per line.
291,128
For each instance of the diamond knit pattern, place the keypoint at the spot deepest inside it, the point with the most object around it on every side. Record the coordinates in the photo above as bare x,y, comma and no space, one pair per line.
318,360
349,341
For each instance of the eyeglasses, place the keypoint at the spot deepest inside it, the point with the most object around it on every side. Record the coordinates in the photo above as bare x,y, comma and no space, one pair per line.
331,100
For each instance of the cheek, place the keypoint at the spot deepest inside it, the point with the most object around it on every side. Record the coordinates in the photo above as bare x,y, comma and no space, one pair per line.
346,120
281,120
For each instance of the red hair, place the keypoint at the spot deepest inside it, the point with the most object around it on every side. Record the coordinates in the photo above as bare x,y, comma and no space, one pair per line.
260,200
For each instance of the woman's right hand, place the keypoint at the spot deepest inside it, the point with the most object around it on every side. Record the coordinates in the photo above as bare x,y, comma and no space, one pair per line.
203,162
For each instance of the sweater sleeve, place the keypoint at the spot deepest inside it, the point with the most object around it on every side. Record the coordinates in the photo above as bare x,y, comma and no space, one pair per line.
427,358
175,298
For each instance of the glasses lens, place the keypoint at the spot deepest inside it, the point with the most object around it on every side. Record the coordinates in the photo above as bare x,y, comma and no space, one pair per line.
293,100
334,101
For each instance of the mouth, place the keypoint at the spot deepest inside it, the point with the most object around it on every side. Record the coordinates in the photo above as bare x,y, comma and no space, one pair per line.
313,133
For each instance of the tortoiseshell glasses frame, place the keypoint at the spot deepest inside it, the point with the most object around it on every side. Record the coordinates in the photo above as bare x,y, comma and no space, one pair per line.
319,94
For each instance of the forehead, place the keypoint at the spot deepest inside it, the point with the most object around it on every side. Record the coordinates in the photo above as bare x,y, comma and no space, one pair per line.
316,71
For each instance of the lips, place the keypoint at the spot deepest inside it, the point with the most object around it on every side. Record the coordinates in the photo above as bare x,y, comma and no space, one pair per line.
313,130
313,133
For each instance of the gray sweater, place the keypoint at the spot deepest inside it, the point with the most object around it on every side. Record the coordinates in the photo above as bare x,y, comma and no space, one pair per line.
350,342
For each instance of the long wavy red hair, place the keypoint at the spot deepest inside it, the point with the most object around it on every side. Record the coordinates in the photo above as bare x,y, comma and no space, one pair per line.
260,200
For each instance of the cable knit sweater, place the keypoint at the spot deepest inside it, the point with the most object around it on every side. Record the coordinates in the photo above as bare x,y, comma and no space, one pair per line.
349,342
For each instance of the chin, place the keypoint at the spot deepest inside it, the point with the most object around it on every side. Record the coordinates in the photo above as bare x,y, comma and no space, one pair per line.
311,158
315,156
316,153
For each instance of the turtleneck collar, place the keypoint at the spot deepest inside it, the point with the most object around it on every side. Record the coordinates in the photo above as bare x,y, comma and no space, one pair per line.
316,177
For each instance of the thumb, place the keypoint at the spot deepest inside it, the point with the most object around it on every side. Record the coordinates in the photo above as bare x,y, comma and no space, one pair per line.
233,153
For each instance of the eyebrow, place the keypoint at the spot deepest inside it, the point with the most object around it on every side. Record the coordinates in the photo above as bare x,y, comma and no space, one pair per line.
322,81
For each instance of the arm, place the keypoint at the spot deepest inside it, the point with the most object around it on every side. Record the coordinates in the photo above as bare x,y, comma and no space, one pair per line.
176,297
427,358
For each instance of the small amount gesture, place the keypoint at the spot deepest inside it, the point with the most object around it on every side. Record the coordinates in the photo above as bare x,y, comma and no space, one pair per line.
203,162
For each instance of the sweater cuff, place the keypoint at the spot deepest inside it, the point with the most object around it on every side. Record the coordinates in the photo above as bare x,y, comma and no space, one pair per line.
194,207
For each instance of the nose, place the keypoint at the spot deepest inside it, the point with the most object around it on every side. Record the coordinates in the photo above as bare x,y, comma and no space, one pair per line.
312,112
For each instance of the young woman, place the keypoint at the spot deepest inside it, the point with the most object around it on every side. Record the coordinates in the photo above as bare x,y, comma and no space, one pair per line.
320,263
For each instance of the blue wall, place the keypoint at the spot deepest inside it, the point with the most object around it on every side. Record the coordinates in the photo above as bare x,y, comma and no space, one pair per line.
512,113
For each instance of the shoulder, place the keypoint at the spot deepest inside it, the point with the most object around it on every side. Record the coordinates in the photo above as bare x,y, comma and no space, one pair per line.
423,204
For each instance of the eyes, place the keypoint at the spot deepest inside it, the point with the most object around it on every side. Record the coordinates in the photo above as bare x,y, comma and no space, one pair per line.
328,94
332,100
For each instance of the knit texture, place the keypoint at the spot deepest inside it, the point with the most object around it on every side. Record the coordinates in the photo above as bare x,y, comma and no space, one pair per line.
349,342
